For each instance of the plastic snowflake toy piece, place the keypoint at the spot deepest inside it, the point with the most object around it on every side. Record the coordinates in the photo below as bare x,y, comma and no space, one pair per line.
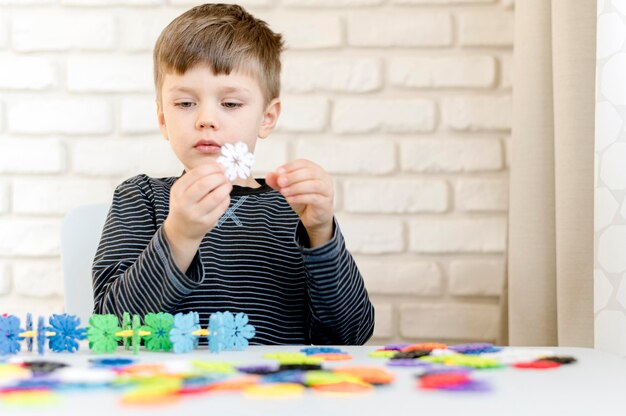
66,333
102,333
159,326
228,331
29,327
237,160
184,335
10,335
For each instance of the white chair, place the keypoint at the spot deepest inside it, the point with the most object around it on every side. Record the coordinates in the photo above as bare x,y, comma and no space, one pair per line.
80,235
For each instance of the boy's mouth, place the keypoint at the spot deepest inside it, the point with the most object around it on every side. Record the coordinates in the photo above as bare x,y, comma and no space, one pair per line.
208,147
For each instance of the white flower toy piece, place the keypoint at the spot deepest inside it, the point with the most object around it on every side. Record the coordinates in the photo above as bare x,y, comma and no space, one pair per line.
237,160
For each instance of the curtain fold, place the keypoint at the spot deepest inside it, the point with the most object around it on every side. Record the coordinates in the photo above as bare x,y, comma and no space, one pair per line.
550,280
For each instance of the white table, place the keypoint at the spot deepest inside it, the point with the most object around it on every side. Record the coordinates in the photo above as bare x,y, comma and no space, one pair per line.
595,385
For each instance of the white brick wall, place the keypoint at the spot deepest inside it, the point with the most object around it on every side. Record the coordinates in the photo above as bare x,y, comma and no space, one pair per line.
28,155
59,115
450,321
407,103
477,277
5,279
465,71
62,31
26,73
367,29
354,115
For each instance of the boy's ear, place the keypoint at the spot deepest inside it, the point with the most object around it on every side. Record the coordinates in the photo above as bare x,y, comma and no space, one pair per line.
161,120
270,117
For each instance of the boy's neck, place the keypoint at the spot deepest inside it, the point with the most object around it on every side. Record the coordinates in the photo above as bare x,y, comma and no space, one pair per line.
249,182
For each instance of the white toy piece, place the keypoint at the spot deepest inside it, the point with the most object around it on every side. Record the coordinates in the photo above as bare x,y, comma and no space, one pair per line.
237,160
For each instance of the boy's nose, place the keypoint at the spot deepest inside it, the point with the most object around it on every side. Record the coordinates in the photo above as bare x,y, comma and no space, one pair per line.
206,119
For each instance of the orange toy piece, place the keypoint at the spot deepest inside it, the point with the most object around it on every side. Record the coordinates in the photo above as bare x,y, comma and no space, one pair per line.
425,346
372,375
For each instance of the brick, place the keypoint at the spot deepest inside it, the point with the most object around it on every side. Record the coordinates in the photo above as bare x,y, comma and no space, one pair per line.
26,73
373,236
443,72
486,28
303,114
331,74
125,157
59,31
506,71
331,154
477,113
98,3
269,154
138,115
482,195
140,30
57,196
475,322
25,2
434,2
5,279
4,32
110,74
400,276
4,195
38,279
477,277
297,30
331,3
245,3
451,155
367,29
484,235
384,322
396,196
32,156
356,115
23,237
74,116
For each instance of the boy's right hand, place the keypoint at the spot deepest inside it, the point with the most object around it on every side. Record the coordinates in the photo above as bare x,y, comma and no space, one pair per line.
197,201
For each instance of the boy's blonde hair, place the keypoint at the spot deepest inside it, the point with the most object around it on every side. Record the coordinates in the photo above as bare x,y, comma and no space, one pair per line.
225,37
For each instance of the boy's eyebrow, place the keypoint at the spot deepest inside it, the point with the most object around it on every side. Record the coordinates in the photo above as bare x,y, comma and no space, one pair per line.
227,89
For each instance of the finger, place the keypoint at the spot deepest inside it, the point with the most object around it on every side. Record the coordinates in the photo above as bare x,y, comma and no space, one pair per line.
215,198
316,186
271,180
295,176
307,199
213,215
295,165
193,175
205,185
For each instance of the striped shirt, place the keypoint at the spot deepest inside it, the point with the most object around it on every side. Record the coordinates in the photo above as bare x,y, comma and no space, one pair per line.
255,260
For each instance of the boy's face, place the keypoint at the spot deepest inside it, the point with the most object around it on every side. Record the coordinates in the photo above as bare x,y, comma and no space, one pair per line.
199,112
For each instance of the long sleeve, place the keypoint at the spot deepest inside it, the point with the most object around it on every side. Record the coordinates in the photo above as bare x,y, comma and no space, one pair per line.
340,310
133,270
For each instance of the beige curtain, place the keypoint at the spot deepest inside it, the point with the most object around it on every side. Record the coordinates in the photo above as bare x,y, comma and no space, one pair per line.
550,285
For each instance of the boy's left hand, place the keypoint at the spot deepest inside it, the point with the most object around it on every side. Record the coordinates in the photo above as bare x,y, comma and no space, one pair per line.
309,190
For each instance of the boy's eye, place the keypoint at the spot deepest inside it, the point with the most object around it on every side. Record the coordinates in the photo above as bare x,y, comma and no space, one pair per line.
230,104
184,104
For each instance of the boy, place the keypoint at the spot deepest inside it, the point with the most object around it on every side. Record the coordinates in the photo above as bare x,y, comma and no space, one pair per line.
270,248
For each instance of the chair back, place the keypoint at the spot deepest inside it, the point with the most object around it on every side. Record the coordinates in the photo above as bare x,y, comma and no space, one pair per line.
80,235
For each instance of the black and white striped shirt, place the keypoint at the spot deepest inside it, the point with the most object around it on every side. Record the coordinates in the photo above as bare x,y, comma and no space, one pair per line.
254,261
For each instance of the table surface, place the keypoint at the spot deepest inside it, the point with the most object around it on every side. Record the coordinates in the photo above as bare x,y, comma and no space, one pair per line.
595,385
